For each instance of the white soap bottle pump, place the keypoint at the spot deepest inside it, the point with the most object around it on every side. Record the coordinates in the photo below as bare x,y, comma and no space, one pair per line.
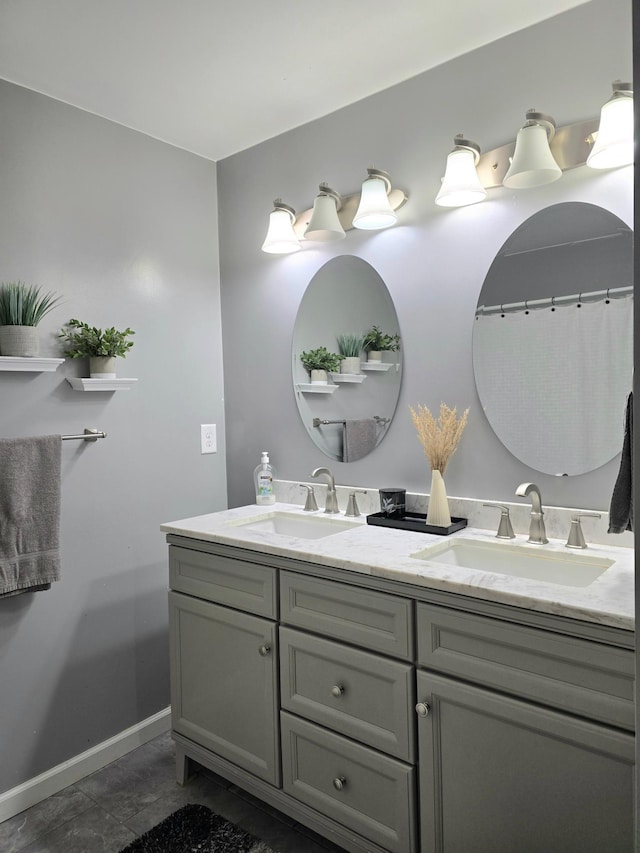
263,477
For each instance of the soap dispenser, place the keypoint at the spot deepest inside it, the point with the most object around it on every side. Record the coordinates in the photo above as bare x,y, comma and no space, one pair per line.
263,479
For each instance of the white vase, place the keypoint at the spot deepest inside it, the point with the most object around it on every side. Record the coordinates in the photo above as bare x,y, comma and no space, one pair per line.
438,511
102,367
22,341
319,377
374,355
350,364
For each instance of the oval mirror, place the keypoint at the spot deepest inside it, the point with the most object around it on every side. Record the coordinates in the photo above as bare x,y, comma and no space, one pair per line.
553,339
348,413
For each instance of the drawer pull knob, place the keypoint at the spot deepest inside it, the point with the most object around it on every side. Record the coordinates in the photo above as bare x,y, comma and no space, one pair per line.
422,709
265,650
337,690
339,783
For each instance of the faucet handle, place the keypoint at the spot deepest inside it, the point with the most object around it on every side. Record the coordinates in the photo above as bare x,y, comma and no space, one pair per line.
576,536
311,504
352,506
505,529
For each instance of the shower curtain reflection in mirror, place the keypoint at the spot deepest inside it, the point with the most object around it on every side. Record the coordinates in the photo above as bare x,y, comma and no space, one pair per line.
536,371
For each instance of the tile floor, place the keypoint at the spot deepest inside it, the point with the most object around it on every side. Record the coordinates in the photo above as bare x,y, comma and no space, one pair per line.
105,811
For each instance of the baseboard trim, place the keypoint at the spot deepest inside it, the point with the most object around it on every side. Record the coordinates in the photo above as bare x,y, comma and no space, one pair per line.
33,791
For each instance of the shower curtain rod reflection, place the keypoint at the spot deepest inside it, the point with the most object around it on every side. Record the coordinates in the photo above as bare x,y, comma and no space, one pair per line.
87,435
553,301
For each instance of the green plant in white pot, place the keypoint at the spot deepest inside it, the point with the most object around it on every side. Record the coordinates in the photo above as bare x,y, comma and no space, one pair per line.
376,342
319,362
101,347
350,347
22,307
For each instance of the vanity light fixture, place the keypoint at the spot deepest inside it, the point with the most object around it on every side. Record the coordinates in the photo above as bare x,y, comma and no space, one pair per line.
281,238
533,164
375,211
325,226
332,214
461,185
542,151
614,139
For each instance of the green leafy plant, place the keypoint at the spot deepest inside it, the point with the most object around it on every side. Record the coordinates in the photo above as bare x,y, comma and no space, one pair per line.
24,305
83,340
320,359
350,346
376,340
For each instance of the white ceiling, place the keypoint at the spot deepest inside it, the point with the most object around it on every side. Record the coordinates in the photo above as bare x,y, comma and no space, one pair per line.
218,76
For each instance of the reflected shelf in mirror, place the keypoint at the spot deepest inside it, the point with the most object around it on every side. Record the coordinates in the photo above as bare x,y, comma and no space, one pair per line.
344,299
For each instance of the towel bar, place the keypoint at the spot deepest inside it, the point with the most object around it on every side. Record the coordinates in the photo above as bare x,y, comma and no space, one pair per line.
87,435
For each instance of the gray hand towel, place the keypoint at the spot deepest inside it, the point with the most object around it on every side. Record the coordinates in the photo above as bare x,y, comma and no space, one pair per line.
621,511
29,513
359,439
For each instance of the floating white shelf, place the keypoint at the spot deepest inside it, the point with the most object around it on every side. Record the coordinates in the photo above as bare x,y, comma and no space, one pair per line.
376,365
80,384
35,365
316,388
348,377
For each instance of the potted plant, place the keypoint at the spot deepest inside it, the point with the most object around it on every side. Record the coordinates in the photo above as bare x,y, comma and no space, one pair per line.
100,347
376,342
22,307
350,347
319,362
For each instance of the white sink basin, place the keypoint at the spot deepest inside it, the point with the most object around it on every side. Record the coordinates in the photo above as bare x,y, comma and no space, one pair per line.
291,524
566,569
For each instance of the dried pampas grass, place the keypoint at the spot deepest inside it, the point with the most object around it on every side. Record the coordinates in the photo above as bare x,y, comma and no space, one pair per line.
439,438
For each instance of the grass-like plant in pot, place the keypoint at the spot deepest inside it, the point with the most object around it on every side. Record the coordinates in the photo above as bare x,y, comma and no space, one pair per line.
319,362
101,347
350,347
376,342
22,307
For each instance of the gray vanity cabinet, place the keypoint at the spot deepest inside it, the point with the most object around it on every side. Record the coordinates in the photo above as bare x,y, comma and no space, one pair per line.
392,718
501,775
224,669
527,765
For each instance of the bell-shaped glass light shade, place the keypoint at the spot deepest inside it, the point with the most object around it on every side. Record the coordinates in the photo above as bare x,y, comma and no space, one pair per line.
461,184
614,142
533,164
325,225
374,211
281,238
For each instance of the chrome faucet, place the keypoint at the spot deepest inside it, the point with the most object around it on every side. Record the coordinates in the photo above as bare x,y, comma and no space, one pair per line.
331,504
537,533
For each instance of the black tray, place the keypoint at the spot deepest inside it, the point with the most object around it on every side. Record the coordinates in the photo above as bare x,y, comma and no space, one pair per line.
416,521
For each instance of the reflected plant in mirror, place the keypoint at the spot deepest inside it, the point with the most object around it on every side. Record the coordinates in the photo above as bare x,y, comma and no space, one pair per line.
553,338
376,342
348,417
319,363
350,347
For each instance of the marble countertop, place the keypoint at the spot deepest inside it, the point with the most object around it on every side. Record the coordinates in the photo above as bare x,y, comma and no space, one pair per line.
385,552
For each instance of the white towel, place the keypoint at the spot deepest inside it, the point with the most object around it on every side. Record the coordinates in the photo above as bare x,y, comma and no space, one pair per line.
29,513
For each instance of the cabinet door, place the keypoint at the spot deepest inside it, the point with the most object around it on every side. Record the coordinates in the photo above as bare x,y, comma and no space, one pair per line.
499,775
224,683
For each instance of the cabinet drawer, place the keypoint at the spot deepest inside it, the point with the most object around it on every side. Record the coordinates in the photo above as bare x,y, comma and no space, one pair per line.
364,696
379,622
579,676
370,793
246,586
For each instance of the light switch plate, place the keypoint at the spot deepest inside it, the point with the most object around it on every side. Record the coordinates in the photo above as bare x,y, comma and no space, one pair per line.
208,438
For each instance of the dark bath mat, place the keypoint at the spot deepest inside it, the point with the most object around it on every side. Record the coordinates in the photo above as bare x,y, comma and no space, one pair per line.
196,829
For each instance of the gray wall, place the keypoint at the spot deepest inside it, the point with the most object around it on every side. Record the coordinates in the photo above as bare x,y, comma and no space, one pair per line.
125,228
434,262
